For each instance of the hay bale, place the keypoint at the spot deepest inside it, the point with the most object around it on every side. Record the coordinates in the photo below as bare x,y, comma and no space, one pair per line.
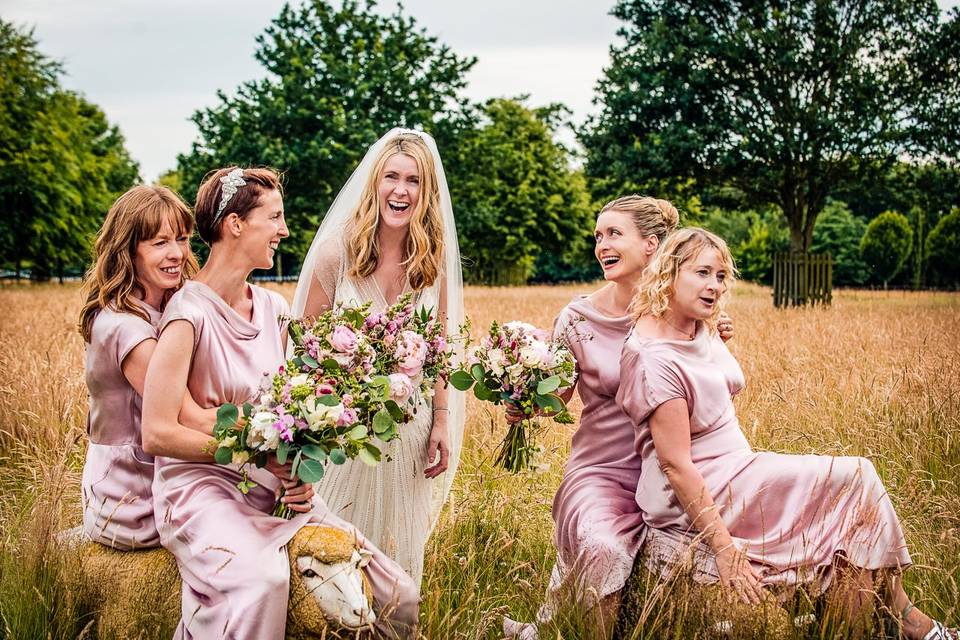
136,594
679,607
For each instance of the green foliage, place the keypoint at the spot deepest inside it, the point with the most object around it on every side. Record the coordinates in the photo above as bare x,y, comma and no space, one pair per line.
886,244
784,102
753,238
943,250
517,198
338,77
61,162
838,232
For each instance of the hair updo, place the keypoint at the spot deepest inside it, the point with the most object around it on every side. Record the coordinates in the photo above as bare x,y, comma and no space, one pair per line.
652,216
258,181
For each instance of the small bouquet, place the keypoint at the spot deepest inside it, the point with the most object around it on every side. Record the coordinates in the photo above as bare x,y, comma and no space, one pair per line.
350,386
518,364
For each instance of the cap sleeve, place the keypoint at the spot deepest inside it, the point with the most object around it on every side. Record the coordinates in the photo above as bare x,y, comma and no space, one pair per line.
182,307
647,380
120,333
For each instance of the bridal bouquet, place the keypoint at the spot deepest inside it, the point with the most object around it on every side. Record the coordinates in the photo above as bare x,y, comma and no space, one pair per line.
350,386
518,364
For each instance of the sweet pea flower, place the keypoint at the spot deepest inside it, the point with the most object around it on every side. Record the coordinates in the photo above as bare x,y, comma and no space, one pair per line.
347,417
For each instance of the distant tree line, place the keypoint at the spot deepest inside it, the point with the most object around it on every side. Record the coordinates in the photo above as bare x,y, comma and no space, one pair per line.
824,126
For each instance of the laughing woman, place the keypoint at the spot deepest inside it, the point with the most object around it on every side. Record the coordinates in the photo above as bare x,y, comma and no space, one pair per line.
391,232
218,336
752,519
142,255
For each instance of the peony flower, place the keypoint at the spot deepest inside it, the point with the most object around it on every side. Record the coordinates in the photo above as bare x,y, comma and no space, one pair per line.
401,387
343,339
262,435
412,352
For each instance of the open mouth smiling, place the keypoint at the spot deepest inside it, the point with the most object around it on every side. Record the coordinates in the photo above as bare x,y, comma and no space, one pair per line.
398,207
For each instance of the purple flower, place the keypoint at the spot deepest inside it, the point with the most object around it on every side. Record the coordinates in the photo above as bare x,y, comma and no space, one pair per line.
347,417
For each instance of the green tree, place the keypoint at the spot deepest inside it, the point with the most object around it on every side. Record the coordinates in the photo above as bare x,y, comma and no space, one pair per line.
838,232
886,244
61,162
782,101
518,200
943,250
337,79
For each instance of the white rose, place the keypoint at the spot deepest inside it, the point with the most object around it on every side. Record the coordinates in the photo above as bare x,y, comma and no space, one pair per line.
529,356
299,380
262,434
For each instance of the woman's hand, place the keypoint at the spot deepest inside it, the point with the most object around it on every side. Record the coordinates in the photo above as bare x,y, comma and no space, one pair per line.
738,576
725,326
439,441
296,494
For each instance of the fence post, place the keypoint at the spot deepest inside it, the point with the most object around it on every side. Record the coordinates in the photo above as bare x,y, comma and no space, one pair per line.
801,278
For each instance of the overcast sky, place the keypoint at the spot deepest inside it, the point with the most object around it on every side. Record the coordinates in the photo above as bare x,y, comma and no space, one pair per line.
151,64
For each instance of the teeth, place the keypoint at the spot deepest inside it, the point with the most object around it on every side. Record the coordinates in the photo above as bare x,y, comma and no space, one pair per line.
400,206
611,260
171,270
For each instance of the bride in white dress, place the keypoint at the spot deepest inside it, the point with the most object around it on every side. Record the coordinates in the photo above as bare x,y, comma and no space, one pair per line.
391,231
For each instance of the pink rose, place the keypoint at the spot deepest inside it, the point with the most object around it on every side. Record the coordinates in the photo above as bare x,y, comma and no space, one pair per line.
412,353
401,388
347,417
343,339
347,400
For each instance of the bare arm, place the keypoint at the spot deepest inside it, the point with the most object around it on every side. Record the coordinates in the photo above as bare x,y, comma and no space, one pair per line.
670,428
134,368
164,389
439,432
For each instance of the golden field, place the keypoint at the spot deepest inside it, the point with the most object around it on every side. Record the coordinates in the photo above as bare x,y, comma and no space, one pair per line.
877,374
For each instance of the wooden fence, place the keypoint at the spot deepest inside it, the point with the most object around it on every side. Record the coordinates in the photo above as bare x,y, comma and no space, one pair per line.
802,278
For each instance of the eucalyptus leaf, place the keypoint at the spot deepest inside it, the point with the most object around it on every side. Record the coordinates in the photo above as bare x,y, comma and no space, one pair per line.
477,372
548,385
227,415
358,432
549,401
329,400
309,361
337,456
461,380
367,458
282,450
310,471
223,455
314,452
382,421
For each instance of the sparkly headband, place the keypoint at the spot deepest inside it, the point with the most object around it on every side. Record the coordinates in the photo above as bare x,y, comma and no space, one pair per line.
231,182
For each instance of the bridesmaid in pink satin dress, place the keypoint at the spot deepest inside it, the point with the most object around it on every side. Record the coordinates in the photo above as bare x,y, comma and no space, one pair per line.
597,525
229,549
142,254
752,519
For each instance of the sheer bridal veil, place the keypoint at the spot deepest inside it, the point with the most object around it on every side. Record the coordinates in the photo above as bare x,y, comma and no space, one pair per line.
332,229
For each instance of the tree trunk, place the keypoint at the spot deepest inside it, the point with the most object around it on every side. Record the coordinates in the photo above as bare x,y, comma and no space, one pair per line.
278,266
18,269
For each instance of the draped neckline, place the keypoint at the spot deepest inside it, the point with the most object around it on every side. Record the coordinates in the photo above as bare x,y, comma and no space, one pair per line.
245,329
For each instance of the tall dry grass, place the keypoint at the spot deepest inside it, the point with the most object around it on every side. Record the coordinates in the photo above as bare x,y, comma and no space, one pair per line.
877,374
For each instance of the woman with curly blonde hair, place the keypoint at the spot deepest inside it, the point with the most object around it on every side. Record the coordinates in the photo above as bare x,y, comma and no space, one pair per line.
391,232
748,519
142,255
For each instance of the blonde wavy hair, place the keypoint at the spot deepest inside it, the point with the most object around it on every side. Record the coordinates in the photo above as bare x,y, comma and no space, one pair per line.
423,253
651,216
655,289
136,216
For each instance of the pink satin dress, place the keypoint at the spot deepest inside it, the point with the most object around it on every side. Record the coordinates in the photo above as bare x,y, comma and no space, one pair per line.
230,550
597,525
116,486
791,514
